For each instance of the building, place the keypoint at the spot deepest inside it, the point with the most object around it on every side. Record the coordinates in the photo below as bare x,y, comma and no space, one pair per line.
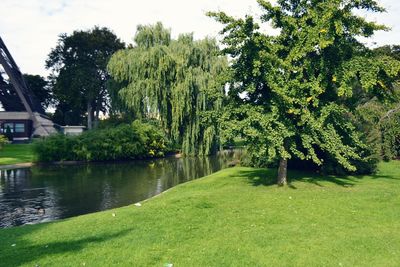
19,124
72,130
22,116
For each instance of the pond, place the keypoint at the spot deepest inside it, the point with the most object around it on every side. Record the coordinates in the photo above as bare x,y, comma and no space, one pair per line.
47,193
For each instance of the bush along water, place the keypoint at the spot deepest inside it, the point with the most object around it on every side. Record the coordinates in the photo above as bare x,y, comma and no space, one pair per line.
135,141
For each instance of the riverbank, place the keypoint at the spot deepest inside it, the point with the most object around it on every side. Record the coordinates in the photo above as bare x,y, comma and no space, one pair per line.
16,154
231,218
16,166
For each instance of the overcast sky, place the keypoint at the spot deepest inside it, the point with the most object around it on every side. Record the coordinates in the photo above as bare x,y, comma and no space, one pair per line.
30,28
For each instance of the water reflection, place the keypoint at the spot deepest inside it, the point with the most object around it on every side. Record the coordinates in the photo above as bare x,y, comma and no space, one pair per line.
39,194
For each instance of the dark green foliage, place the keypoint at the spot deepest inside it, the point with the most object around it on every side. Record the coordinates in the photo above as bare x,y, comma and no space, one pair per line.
40,88
55,148
366,164
390,128
383,118
380,124
389,50
79,77
8,133
137,140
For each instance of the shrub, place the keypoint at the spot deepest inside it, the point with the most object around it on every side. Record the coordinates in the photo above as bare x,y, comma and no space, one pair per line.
138,140
3,141
57,147
8,133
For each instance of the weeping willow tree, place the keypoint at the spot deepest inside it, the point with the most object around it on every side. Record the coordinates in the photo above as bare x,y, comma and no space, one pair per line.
178,82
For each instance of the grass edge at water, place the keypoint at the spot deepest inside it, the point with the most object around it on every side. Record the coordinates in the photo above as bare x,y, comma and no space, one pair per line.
16,153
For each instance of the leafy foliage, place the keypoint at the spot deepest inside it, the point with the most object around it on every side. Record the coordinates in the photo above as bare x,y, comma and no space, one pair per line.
390,128
10,101
290,92
138,140
40,88
79,76
175,81
8,134
381,125
3,141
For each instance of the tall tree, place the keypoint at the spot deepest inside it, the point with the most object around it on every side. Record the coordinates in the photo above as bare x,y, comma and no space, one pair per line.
79,73
176,82
290,91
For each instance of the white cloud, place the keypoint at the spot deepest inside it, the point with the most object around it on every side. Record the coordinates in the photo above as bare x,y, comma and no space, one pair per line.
30,28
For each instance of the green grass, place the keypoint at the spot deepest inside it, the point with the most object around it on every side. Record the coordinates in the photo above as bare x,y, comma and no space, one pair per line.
16,153
231,218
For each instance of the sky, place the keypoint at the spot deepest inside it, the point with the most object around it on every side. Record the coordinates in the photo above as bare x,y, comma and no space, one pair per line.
30,28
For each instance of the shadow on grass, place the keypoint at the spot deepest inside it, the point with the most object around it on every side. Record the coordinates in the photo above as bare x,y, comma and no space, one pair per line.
261,177
267,177
24,252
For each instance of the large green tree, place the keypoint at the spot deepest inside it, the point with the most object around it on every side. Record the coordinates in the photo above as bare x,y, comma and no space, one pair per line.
290,91
176,82
79,74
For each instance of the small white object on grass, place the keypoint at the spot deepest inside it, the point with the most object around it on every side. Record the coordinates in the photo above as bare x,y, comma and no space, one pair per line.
168,265
138,204
113,214
13,245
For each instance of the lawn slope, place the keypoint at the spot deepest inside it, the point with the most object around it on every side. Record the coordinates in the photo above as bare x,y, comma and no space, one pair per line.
16,153
231,218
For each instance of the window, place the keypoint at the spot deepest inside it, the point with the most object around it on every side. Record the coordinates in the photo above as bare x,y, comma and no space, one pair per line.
19,127
8,125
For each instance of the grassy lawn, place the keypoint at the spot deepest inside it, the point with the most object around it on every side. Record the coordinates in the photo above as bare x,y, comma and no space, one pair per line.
19,153
231,218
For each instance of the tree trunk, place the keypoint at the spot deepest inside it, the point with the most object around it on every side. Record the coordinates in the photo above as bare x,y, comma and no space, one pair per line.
96,116
89,116
282,172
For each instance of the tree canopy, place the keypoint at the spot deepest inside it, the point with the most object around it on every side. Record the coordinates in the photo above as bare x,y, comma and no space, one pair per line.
176,81
40,88
79,75
290,92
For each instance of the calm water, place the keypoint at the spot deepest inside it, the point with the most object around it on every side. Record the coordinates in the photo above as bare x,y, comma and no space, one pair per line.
47,193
